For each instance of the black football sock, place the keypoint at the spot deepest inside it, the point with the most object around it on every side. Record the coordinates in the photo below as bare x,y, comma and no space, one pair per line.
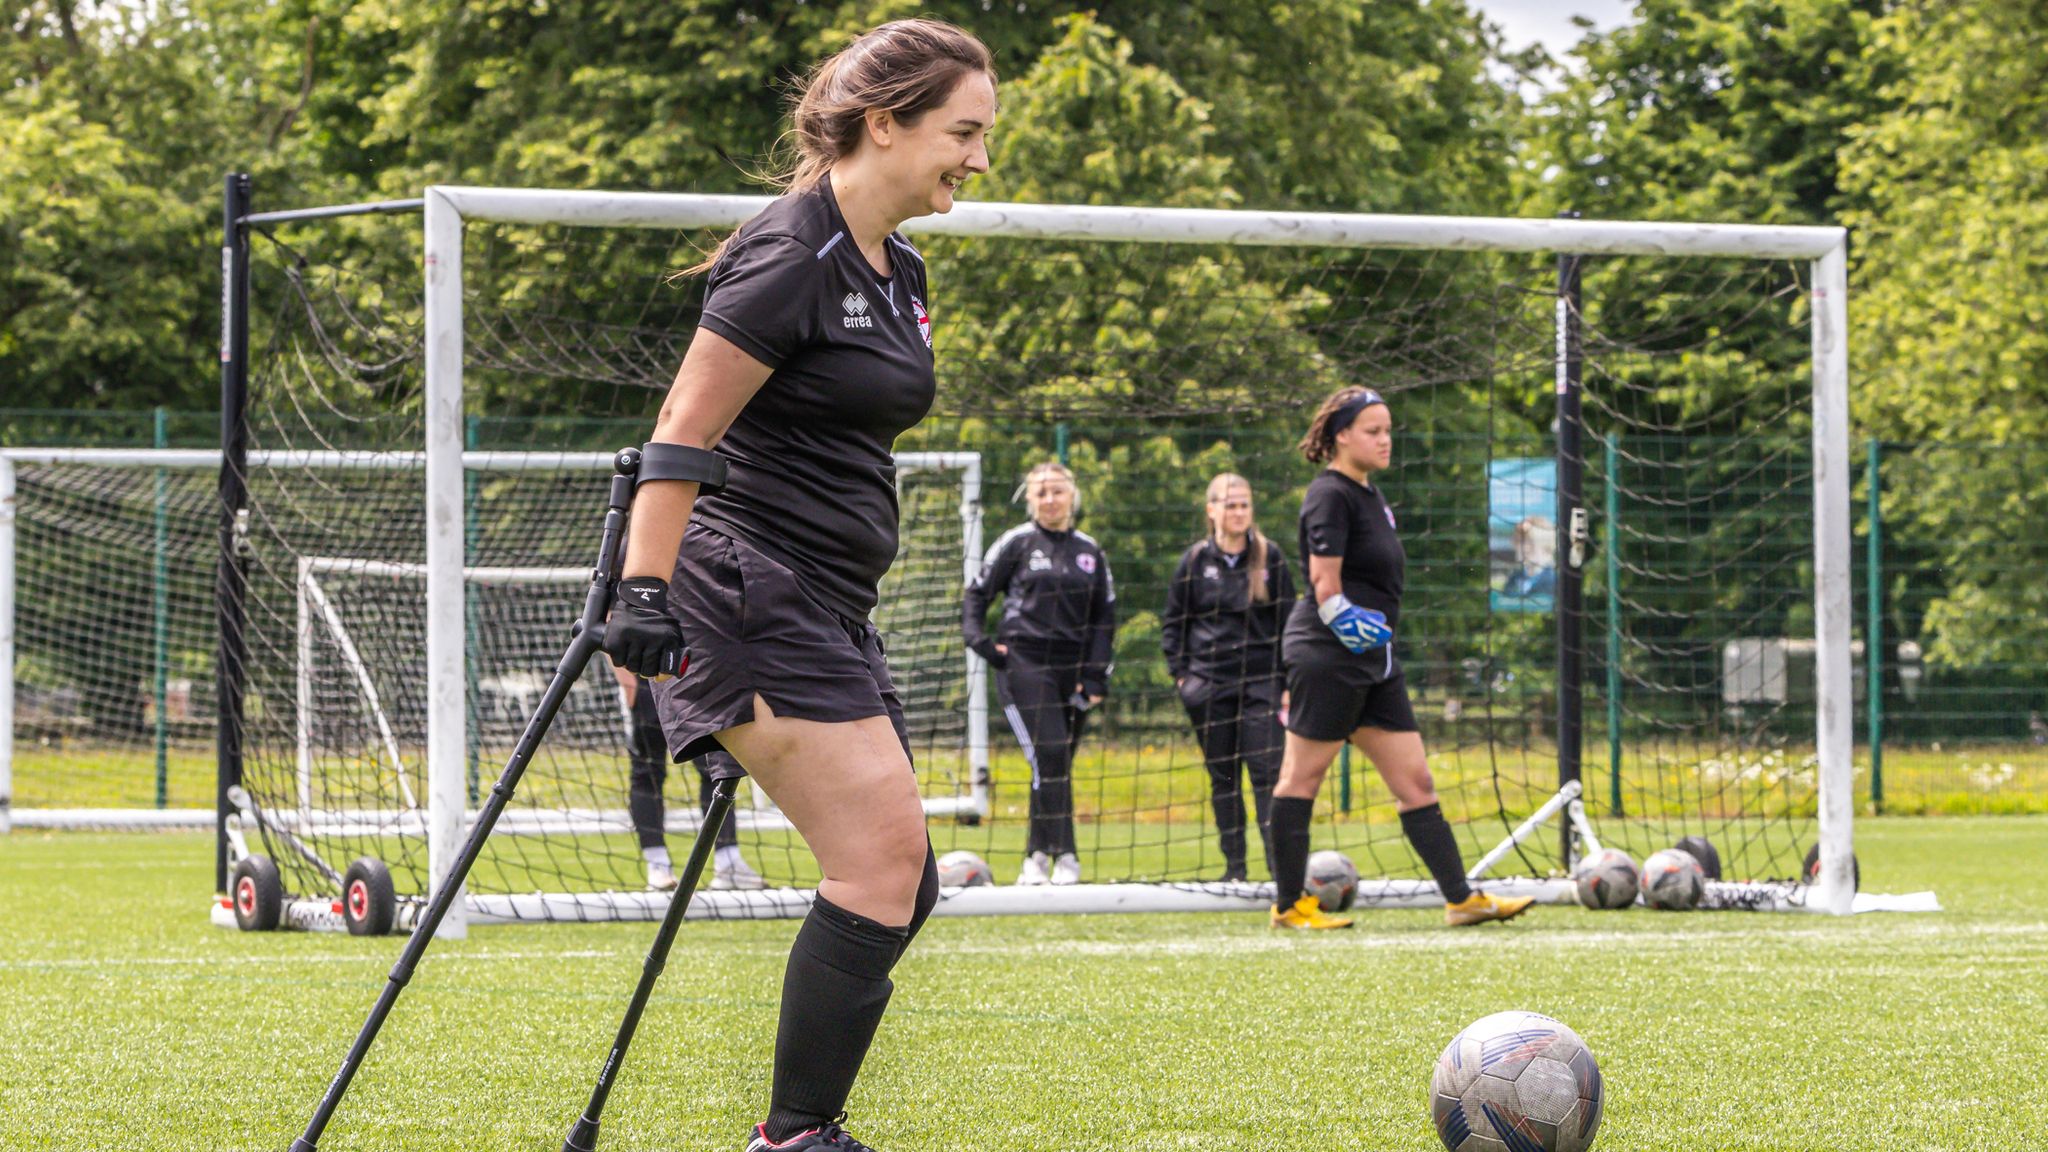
1431,836
833,996
1291,815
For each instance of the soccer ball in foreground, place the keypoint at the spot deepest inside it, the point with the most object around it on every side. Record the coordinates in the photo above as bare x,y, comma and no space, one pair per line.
1673,881
1608,879
963,869
1332,880
1516,1082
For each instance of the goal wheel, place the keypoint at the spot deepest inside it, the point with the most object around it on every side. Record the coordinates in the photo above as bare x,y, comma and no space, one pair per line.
369,904
1702,850
1811,871
968,819
258,893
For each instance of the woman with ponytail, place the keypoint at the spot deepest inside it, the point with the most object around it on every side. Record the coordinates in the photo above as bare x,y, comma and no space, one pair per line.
813,354
1342,677
1225,608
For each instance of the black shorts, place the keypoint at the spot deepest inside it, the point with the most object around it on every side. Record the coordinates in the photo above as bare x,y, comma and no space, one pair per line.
1331,701
752,628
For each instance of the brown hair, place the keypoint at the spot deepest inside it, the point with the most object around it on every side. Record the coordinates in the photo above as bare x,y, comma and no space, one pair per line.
905,67
1319,443
1254,544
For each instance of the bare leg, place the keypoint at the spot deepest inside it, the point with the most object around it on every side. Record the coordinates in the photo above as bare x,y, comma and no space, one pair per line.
851,795
1402,764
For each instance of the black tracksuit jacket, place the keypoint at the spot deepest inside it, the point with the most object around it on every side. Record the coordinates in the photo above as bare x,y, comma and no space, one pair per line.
1059,603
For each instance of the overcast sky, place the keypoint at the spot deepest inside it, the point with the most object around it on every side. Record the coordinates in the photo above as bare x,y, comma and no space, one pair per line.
1550,21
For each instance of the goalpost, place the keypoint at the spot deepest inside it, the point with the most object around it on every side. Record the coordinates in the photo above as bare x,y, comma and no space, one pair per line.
1151,346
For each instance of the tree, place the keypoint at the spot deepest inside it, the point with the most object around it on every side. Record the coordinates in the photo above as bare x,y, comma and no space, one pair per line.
1950,318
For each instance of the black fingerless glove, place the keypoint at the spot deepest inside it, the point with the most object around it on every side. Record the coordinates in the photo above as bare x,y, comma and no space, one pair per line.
986,649
641,636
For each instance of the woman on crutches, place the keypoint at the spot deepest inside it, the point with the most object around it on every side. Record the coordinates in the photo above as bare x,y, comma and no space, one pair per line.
812,356
1225,607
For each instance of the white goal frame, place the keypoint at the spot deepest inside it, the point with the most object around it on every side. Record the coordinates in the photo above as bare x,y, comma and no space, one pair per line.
448,208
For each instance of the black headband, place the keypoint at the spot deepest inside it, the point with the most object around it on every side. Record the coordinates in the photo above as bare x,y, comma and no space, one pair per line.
1342,417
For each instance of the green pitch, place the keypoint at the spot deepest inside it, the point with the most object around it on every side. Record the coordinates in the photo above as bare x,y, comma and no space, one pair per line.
130,1023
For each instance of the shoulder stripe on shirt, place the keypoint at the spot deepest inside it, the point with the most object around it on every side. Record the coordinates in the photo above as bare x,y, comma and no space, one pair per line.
836,238
900,242
997,547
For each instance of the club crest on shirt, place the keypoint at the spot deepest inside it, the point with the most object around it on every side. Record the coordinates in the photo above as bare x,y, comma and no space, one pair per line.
1085,562
924,320
1209,572
856,306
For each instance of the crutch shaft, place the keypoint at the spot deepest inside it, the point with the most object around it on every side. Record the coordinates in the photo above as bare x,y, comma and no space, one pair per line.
583,1134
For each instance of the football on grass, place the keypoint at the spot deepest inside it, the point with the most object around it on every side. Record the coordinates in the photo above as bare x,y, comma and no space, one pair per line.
1608,879
1673,881
963,869
1332,880
1516,1082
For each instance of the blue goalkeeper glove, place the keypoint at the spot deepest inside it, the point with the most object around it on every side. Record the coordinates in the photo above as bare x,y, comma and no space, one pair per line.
1359,629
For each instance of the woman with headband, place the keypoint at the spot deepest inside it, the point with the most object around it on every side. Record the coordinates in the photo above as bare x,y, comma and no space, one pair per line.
1342,677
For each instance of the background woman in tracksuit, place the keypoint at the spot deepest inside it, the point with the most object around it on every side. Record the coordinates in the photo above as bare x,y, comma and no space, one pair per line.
1051,654
1224,611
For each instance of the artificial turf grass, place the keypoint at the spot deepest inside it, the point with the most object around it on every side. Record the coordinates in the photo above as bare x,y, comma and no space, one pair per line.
136,1025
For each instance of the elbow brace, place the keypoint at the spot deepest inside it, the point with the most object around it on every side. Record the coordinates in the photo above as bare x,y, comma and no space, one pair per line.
700,466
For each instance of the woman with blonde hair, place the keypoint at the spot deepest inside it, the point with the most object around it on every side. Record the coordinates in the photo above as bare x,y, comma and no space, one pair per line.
1225,609
813,354
1051,654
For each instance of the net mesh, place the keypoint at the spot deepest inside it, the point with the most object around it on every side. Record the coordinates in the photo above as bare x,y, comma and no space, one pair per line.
1149,368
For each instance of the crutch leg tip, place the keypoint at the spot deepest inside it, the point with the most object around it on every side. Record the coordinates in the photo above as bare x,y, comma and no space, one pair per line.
582,1136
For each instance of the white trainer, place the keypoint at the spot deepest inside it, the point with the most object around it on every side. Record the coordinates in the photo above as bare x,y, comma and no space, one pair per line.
1033,872
1066,869
661,878
738,877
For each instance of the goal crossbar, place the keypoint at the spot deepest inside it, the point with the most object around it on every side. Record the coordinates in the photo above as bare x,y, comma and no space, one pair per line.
449,207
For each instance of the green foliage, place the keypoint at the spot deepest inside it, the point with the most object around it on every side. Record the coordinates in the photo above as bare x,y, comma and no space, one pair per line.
1951,315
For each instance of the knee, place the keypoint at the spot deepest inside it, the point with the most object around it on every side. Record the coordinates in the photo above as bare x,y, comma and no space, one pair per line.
900,864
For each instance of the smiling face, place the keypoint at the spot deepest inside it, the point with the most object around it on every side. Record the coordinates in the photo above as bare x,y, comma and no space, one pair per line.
1368,443
927,161
1052,501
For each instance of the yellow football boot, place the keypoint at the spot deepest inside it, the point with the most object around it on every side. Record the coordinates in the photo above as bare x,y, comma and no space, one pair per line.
1307,914
1479,907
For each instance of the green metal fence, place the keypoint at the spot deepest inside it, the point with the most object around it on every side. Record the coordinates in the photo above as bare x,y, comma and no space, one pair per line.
1952,664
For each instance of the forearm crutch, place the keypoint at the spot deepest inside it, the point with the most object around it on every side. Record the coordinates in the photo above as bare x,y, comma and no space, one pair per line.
583,1133
631,466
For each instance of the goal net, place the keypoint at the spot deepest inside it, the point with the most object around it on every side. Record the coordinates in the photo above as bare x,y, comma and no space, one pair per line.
1622,654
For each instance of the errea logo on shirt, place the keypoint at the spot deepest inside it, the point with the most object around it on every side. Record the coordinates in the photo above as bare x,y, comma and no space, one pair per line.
856,306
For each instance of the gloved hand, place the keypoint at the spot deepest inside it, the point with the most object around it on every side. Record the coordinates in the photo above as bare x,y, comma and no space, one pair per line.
641,636
987,650
1358,629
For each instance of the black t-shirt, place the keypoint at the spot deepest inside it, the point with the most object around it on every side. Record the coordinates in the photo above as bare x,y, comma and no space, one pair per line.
1341,517
813,475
